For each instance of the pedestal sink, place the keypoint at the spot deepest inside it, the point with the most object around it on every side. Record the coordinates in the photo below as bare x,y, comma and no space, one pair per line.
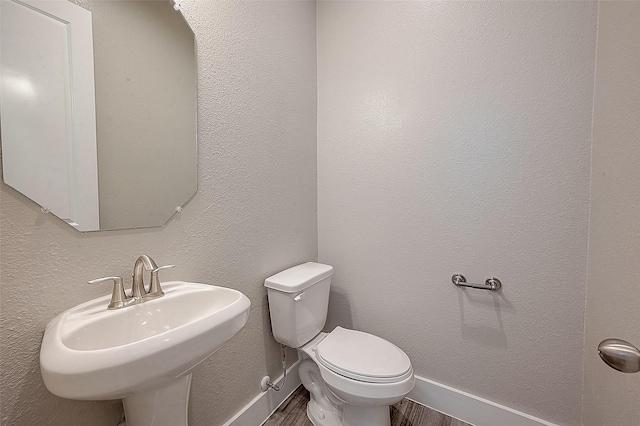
143,353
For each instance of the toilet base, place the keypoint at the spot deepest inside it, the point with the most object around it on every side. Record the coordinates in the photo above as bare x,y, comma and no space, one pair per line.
353,416
320,416
324,409
357,415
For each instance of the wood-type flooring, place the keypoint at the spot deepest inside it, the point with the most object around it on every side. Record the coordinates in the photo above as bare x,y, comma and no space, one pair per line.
293,412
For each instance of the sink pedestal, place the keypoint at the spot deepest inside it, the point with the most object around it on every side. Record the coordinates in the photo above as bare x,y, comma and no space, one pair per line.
162,406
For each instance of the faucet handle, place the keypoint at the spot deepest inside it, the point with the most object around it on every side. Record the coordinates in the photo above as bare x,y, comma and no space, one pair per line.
155,290
118,296
162,267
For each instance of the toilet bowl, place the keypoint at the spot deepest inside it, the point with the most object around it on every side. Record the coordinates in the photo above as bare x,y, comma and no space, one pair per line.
355,393
352,376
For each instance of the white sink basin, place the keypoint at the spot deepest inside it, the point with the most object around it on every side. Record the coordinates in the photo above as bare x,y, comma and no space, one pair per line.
142,353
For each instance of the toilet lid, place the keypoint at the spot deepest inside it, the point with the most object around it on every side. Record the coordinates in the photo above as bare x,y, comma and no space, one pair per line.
363,356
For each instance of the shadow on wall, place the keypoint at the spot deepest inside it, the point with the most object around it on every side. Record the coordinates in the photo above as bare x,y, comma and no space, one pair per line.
339,311
484,302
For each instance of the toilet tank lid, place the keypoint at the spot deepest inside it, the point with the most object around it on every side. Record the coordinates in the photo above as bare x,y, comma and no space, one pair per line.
299,277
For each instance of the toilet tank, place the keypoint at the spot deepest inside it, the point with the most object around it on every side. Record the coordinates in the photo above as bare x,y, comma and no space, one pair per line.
298,302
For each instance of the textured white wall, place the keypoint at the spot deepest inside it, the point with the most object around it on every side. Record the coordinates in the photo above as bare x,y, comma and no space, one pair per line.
455,137
254,215
613,285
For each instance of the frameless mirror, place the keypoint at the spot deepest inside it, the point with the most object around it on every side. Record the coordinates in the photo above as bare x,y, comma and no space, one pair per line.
127,159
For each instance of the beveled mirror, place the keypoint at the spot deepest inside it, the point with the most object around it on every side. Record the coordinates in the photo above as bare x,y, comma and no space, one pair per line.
127,160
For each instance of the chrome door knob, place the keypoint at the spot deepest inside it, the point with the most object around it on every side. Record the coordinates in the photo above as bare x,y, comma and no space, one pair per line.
620,355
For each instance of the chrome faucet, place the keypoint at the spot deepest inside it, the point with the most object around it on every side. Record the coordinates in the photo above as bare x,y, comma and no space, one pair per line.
139,294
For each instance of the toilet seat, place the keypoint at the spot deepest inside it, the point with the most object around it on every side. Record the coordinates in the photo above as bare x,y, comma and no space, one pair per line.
363,357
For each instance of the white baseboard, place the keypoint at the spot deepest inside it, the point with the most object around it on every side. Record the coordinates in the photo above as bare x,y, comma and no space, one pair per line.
445,399
469,408
262,406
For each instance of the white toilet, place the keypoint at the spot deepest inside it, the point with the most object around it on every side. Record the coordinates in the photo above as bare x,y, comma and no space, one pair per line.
352,376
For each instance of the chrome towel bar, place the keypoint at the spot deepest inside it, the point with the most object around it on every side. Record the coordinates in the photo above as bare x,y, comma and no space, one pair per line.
491,283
